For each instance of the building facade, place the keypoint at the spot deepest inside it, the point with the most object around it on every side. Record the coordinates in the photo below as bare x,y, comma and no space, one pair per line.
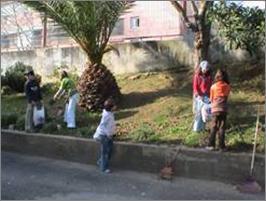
151,35
23,29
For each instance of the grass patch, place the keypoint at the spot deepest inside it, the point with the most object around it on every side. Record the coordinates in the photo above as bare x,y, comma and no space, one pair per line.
155,108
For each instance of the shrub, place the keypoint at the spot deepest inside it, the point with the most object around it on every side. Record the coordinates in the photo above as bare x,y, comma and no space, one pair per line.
8,119
6,90
143,133
14,76
49,88
20,123
50,127
3,81
192,140
86,131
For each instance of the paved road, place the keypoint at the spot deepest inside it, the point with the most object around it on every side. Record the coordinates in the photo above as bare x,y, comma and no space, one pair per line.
27,177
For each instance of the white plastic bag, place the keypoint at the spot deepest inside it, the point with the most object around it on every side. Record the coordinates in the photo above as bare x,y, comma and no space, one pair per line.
206,112
38,116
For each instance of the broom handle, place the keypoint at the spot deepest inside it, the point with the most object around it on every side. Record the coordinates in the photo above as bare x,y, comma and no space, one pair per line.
254,147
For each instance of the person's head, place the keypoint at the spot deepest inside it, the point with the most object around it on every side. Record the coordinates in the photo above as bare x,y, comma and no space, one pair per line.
221,75
204,67
109,105
63,74
30,75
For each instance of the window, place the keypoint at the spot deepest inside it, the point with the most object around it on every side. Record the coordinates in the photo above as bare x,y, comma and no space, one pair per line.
5,42
134,22
119,28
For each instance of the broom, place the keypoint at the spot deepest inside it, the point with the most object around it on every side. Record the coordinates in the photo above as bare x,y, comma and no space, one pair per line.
250,185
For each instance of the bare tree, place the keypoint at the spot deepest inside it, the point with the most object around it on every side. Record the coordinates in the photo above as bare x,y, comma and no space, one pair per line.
200,26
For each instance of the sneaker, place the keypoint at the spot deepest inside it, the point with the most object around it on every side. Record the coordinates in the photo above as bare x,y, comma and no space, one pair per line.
107,171
210,148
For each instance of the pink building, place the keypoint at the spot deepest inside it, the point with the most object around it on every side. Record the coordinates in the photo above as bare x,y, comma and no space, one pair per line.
22,29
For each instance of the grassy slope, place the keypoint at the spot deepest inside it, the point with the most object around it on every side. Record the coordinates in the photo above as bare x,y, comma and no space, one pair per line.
156,108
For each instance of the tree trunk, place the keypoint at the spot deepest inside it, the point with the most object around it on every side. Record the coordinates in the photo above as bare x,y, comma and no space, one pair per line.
96,84
201,44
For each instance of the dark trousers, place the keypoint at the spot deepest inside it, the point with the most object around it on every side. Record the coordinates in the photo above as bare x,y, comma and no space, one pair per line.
106,152
218,126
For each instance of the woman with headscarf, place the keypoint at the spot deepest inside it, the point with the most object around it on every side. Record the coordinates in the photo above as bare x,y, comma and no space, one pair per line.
202,82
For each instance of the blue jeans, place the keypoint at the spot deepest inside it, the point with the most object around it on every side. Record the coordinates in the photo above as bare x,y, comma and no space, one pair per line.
106,151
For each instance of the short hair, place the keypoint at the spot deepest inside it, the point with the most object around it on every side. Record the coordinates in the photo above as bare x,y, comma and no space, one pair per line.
109,104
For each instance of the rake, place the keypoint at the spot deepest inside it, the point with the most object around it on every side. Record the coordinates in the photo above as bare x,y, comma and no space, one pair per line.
250,185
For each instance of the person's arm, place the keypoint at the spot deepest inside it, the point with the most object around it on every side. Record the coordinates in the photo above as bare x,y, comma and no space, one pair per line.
61,91
28,92
212,93
196,90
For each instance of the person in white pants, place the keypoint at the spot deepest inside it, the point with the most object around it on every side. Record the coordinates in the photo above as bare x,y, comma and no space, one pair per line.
67,85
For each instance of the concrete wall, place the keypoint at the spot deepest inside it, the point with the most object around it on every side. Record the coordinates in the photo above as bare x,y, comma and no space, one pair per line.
133,58
193,163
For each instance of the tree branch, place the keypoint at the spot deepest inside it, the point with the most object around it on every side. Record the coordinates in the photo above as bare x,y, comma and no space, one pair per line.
195,9
181,10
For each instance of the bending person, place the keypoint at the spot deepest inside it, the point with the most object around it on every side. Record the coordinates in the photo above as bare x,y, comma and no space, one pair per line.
67,86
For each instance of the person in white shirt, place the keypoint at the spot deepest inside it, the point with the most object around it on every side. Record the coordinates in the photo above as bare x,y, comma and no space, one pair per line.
104,134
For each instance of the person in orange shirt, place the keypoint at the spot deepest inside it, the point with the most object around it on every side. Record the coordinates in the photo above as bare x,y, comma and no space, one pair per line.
218,96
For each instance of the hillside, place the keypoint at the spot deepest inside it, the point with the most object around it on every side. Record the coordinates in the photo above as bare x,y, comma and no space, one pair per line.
157,108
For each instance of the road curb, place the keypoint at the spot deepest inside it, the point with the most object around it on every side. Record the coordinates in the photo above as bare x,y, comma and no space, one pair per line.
189,162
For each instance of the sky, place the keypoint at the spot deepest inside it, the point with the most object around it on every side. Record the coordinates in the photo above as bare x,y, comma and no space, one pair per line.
260,4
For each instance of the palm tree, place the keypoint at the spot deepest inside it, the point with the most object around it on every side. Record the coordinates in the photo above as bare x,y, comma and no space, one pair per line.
90,24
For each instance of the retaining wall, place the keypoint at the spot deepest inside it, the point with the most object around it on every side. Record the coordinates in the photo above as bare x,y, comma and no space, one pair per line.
193,163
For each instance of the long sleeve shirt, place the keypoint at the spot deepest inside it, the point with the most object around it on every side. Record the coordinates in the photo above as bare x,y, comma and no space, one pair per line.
218,96
32,91
106,126
202,84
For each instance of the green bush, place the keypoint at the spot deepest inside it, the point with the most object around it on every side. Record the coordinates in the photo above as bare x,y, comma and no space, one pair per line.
143,133
50,127
8,119
14,76
49,88
6,90
86,131
193,139
20,123
3,81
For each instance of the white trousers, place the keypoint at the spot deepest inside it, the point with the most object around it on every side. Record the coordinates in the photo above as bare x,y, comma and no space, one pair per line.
198,122
70,111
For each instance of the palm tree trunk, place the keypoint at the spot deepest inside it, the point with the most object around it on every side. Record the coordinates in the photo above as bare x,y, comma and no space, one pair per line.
96,84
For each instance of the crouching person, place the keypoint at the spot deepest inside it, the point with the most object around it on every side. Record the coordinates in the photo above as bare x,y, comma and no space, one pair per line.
104,134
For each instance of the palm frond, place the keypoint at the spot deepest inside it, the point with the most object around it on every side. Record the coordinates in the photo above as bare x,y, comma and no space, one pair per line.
89,23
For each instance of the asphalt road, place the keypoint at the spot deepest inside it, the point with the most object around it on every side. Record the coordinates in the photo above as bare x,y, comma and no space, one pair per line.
26,177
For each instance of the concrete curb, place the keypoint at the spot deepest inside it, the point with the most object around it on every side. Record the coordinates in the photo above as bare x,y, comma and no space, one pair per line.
194,163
